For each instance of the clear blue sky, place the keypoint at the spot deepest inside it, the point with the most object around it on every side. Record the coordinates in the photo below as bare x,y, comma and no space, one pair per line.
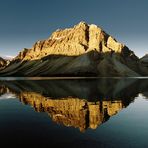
23,22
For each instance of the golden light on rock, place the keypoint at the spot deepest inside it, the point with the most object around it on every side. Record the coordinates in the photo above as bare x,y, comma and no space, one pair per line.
75,112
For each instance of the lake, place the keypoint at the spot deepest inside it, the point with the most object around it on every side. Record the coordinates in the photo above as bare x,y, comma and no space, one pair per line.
74,112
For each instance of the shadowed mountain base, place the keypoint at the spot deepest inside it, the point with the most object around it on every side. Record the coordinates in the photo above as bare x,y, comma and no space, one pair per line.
90,64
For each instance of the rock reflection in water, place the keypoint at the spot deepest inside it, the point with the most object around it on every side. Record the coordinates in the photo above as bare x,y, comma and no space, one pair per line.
74,111
81,104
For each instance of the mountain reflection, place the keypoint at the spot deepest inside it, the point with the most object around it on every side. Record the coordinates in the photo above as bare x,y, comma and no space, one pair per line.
78,103
73,111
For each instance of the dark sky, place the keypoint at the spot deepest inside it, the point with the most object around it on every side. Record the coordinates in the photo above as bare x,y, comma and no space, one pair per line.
23,22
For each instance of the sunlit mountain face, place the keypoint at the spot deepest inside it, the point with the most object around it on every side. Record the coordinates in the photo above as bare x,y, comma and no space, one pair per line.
84,50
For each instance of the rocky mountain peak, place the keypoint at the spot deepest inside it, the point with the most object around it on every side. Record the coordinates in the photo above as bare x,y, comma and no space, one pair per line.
80,39
83,50
81,24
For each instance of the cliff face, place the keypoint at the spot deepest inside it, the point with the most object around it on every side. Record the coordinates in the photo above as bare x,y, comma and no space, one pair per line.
84,50
75,41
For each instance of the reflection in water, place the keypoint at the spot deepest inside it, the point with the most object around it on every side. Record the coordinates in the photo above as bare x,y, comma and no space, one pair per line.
78,103
73,111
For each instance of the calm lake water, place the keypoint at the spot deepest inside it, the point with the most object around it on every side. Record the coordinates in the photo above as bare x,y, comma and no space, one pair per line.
74,113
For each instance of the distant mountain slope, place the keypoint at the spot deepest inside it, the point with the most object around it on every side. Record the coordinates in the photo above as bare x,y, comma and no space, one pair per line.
84,50
144,59
2,62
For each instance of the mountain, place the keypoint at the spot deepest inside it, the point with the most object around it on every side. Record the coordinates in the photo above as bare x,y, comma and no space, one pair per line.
2,62
84,50
144,59
144,63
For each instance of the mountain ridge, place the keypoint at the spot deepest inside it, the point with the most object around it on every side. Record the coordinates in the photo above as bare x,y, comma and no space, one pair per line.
84,50
75,41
